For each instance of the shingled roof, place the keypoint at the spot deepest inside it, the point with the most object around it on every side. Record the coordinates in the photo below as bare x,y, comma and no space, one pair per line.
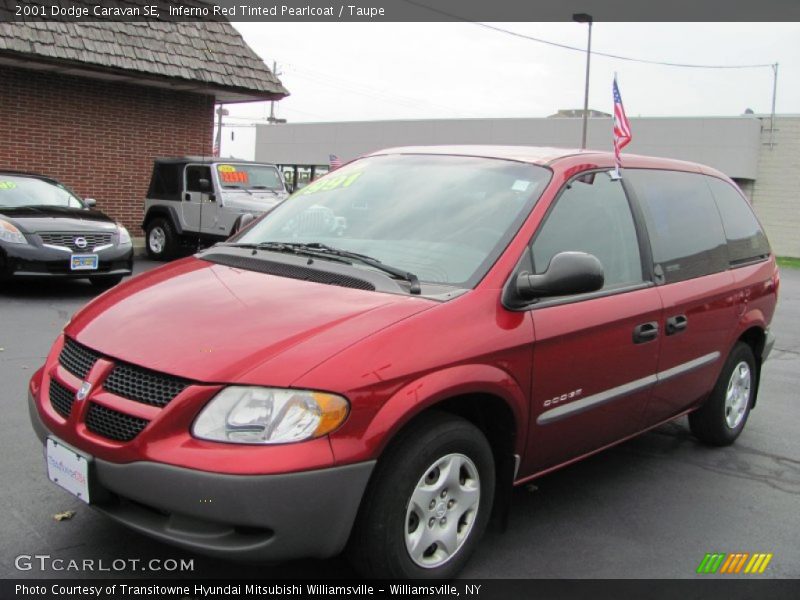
205,57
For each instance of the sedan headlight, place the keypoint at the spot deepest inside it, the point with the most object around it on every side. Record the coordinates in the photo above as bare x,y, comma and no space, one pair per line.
124,235
9,233
256,415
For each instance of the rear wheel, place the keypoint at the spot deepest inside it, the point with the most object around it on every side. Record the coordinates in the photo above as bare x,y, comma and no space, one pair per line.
161,240
723,416
428,503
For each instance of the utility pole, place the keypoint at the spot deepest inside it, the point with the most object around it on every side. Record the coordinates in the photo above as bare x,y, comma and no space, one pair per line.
772,115
585,18
221,112
271,118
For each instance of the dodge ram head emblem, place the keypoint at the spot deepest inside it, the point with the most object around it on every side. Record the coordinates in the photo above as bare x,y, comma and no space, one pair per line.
86,387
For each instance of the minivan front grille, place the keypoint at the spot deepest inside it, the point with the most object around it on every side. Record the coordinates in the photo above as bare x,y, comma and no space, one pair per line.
77,359
61,398
143,385
113,424
90,241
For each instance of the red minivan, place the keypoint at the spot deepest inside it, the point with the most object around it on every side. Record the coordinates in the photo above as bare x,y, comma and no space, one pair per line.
372,364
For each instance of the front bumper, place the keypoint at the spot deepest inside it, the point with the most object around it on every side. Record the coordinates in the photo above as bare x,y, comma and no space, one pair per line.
27,260
245,517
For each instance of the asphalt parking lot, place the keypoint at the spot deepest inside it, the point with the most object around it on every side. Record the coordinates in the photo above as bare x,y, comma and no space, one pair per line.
649,508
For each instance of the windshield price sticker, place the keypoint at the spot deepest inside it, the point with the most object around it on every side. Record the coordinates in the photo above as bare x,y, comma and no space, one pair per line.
331,183
7,185
229,174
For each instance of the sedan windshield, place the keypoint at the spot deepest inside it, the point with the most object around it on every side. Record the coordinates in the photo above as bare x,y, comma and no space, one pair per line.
251,177
18,192
445,219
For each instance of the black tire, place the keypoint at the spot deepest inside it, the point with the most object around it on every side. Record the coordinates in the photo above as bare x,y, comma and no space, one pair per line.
161,240
711,423
377,546
105,283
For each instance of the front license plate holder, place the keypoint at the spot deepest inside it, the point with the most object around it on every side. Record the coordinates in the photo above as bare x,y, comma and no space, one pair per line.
67,469
84,262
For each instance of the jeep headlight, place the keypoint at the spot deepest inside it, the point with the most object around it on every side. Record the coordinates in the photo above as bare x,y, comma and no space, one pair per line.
9,233
257,415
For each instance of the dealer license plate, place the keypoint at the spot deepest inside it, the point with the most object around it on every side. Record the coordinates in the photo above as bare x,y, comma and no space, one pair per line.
68,469
84,262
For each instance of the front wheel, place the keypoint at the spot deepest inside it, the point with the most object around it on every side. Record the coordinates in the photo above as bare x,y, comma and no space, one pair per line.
161,240
722,417
428,503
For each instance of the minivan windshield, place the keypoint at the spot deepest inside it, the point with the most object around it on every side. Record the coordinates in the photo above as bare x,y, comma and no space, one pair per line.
250,177
444,218
19,192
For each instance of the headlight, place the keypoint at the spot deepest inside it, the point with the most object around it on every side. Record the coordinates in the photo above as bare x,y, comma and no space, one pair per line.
10,234
124,235
255,415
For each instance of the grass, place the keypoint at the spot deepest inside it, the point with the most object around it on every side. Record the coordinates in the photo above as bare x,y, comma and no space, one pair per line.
788,261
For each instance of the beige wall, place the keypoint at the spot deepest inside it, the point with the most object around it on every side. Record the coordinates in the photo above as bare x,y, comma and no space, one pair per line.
776,191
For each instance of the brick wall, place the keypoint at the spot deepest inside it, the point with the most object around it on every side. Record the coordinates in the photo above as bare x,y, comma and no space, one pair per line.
97,137
776,191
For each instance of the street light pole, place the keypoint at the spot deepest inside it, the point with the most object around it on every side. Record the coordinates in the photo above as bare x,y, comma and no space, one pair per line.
585,18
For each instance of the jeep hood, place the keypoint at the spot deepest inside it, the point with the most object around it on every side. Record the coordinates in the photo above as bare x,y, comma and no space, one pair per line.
214,323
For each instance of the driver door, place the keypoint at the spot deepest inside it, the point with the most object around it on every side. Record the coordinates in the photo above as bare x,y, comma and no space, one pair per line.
199,207
595,355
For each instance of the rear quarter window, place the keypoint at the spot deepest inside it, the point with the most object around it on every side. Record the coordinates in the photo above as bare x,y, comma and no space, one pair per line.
683,222
746,239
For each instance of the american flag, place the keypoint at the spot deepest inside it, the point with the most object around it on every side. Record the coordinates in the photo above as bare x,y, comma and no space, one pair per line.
622,127
334,162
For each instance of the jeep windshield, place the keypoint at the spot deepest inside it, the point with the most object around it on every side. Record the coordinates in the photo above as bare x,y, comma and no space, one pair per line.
445,219
19,192
249,177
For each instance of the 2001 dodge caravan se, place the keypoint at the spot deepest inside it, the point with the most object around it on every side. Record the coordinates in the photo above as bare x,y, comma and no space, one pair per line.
387,352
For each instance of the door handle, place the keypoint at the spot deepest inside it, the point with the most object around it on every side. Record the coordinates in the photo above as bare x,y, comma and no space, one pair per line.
645,332
676,324
187,197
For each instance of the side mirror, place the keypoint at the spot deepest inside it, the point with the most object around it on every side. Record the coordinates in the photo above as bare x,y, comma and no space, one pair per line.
241,222
204,184
568,273
90,202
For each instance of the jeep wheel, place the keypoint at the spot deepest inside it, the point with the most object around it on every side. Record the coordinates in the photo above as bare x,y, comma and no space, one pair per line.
722,417
161,240
428,502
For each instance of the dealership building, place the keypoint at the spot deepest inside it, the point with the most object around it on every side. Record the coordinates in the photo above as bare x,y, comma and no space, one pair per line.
761,154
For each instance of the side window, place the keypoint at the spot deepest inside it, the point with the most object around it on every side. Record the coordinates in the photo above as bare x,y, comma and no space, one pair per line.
683,221
592,215
194,173
746,239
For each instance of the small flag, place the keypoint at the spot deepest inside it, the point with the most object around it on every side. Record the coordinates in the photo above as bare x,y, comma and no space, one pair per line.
334,162
622,127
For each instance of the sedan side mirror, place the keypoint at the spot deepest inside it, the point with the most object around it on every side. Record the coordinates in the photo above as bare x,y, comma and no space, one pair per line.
568,273
90,202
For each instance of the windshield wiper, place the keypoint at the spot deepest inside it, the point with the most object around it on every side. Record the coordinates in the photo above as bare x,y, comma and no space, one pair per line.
319,250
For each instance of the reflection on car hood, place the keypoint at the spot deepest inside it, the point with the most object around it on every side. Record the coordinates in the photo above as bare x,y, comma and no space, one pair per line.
33,219
216,323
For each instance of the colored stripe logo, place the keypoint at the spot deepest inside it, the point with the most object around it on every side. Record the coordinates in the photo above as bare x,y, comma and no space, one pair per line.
735,563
